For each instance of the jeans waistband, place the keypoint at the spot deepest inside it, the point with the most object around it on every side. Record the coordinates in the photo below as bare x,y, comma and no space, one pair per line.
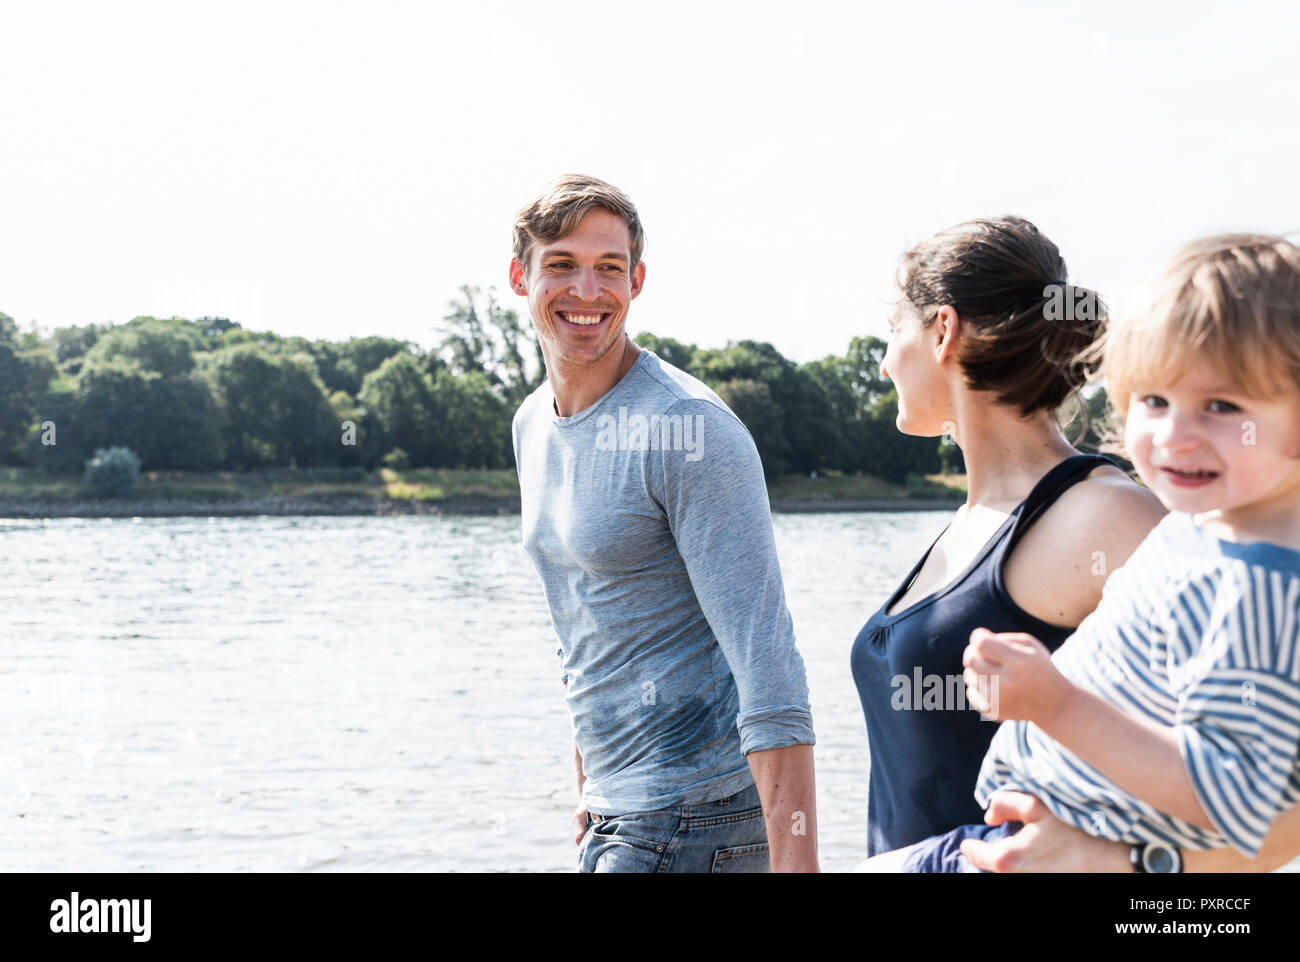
737,802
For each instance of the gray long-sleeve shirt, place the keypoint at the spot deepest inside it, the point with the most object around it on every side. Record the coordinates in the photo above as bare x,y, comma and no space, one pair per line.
647,518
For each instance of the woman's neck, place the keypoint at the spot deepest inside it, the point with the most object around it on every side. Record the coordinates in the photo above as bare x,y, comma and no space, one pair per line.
1005,454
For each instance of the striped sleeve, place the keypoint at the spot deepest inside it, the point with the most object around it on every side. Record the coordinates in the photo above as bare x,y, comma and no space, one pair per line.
1238,697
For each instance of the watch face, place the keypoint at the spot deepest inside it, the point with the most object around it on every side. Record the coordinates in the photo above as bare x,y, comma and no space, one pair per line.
1158,859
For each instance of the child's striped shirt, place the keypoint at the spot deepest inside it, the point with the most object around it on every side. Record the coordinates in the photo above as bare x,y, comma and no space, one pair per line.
1198,634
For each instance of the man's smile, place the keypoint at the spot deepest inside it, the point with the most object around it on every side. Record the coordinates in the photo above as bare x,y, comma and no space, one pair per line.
583,318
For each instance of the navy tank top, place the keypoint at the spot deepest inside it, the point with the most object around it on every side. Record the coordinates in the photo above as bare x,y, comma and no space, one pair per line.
926,745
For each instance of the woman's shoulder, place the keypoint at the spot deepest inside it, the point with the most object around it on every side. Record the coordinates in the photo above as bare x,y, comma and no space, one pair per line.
1113,505
1063,561
1106,511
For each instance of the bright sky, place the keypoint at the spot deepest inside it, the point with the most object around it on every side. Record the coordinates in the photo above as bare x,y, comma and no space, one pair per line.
335,170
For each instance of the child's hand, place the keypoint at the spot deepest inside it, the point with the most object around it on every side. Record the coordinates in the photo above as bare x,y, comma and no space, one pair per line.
1011,675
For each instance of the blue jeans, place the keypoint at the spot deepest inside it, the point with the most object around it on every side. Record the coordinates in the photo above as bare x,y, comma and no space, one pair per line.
728,835
942,853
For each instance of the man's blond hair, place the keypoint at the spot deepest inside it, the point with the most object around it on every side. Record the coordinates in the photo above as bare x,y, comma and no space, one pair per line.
555,213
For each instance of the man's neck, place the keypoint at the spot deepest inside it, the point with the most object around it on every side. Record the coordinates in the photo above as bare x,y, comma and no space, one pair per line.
578,387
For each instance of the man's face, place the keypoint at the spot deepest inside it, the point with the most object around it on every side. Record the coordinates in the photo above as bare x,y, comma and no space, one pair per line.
579,288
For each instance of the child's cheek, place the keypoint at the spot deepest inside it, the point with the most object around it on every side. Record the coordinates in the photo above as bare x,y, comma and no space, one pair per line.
1137,442
1292,449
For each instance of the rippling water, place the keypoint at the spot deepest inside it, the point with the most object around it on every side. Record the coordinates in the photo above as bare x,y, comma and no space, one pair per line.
357,694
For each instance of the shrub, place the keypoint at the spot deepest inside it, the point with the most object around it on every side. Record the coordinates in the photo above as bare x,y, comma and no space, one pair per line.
397,459
112,472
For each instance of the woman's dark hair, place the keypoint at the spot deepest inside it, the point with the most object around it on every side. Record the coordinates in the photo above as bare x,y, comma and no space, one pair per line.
1024,327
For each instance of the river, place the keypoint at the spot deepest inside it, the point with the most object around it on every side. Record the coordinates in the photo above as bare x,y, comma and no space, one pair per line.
343,693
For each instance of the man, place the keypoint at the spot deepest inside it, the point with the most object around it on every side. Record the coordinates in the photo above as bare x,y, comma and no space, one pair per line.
646,515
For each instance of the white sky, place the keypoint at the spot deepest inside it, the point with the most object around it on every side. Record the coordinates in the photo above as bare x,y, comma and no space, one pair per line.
336,170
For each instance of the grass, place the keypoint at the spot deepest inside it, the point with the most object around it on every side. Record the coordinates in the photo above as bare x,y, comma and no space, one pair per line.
434,484
939,486
420,484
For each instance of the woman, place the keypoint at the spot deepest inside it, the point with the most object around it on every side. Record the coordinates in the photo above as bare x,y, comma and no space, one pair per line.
983,348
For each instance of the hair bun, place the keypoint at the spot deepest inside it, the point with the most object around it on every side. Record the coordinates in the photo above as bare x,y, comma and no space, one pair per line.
1025,324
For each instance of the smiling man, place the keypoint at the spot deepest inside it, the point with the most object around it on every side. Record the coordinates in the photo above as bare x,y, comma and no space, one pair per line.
646,515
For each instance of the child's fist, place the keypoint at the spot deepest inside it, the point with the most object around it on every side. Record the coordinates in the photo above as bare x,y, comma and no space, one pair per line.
1010,675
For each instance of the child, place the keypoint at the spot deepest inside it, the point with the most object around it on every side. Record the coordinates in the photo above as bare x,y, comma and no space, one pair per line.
1171,718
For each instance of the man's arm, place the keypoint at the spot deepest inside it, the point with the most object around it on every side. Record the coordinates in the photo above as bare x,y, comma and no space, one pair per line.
580,813
788,791
715,500
579,817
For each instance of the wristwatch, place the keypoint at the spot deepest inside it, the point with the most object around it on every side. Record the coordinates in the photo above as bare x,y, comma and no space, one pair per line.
1155,858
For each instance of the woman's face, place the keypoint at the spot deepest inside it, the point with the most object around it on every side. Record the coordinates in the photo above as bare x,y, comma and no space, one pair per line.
911,364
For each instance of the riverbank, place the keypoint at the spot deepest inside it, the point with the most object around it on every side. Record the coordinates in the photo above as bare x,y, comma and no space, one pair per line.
354,492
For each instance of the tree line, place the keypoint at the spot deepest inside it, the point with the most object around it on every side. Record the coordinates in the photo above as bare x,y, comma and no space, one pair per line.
208,394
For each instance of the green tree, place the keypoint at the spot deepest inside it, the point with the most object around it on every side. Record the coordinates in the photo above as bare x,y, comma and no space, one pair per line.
851,385
169,422
53,449
273,408
165,347
676,353
346,409
344,365
891,454
752,402
399,403
806,427
184,425
480,336
857,373
26,370
71,343
471,423
114,408
214,327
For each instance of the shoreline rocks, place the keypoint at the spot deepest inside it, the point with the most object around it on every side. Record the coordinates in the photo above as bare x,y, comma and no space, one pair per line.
344,505
277,505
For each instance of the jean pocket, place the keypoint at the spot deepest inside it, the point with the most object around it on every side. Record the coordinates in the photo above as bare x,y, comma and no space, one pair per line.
697,823
614,831
742,858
